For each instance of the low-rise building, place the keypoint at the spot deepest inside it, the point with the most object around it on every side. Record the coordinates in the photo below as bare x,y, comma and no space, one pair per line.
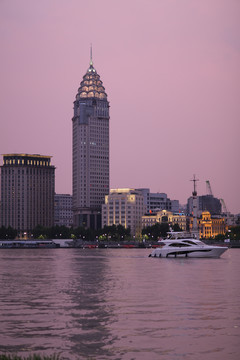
124,207
209,225
165,216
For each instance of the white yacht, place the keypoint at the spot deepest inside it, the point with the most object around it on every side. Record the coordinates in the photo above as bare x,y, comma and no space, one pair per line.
181,244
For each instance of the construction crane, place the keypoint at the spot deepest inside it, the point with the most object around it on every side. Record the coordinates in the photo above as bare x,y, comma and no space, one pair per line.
209,189
225,210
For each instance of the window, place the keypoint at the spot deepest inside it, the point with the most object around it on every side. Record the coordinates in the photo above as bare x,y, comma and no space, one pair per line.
178,245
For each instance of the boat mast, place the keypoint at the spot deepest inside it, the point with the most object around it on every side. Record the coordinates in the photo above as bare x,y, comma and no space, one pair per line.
194,197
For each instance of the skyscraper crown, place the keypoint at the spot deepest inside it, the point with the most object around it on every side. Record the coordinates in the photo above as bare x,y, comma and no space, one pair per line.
91,85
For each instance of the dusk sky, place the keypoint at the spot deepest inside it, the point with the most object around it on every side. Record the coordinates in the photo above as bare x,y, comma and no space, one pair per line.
171,69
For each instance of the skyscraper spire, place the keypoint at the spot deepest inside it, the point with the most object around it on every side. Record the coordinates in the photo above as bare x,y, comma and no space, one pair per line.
91,67
91,62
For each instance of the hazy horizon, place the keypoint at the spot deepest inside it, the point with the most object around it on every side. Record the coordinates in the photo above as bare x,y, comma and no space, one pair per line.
171,72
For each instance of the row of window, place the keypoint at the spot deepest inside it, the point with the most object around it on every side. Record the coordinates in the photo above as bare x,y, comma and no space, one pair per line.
26,162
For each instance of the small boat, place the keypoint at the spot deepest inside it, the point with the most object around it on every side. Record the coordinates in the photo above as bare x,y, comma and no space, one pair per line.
182,244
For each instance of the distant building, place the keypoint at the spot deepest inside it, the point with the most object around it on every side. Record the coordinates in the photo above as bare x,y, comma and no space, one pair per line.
158,201
90,153
27,192
63,214
124,207
165,216
205,202
209,225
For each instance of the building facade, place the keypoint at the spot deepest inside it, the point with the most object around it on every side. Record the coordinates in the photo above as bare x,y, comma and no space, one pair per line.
209,225
90,153
165,216
63,215
124,207
158,201
27,192
205,203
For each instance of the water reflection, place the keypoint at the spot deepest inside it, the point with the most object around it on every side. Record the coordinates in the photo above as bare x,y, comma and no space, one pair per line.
54,302
91,316
119,304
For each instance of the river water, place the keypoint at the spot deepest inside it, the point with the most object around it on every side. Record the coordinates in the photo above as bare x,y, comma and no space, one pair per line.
119,304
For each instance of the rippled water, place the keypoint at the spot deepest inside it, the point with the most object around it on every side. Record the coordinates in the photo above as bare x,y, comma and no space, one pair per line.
119,304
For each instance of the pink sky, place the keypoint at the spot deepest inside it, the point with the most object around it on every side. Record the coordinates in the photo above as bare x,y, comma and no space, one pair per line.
171,70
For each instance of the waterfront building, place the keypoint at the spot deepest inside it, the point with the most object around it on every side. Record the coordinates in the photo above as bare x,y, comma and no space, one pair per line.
27,192
165,216
124,207
63,215
158,201
90,152
209,225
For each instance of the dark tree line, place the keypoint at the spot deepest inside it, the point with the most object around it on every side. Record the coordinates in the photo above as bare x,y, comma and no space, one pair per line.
159,230
62,232
113,233
7,233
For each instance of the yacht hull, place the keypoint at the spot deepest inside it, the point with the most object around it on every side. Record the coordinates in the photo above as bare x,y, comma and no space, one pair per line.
205,252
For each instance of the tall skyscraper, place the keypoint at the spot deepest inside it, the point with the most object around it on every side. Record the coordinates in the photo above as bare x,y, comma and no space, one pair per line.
90,153
27,192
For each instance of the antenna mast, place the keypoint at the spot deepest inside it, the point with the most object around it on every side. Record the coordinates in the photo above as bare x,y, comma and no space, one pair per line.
91,62
194,196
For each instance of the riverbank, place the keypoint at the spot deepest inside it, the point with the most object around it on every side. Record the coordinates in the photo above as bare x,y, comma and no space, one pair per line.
68,243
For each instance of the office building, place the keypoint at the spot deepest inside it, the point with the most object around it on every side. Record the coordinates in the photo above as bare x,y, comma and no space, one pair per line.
158,201
63,215
124,207
27,192
90,153
205,203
